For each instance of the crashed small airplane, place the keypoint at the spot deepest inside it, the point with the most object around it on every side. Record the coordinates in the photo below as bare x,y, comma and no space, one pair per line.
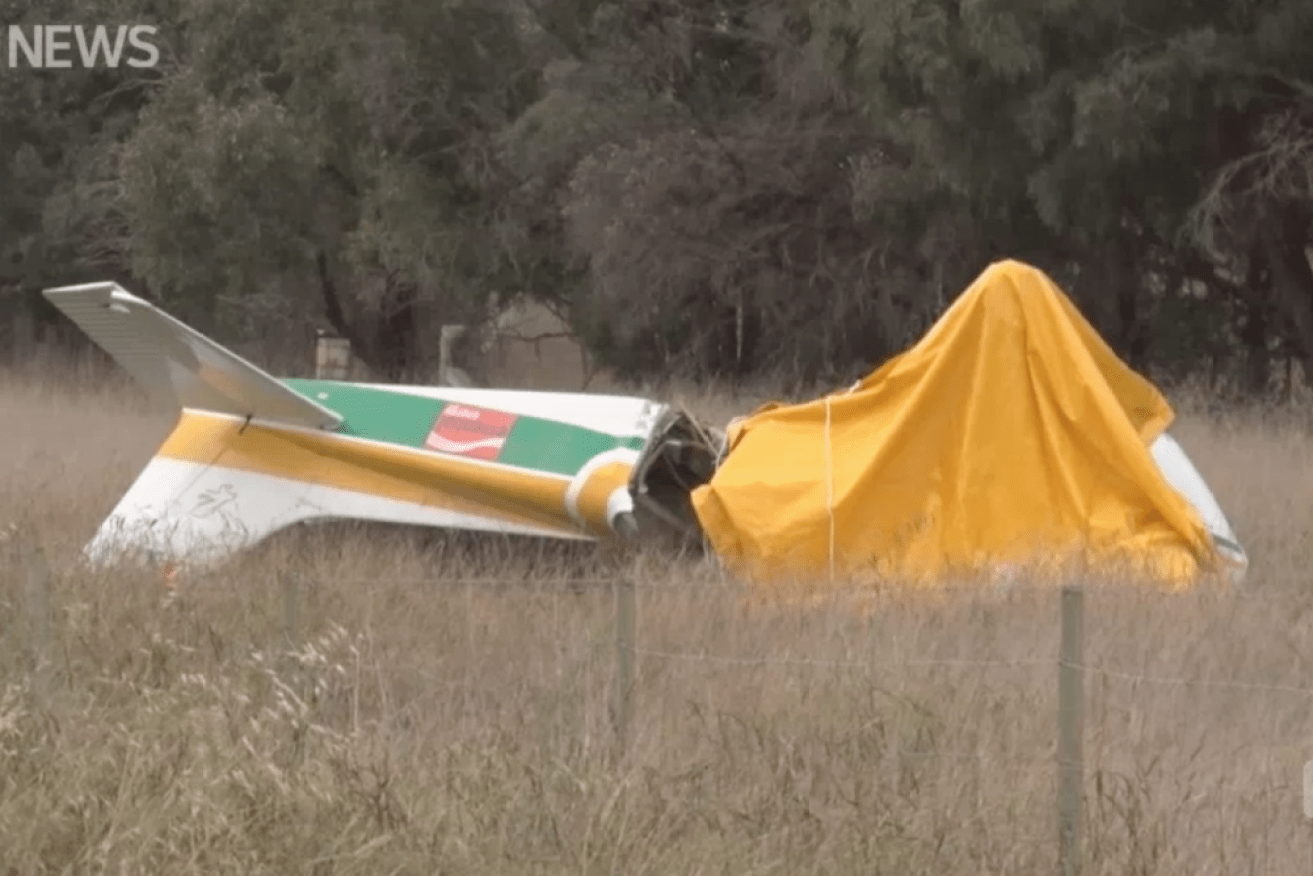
1010,428
252,454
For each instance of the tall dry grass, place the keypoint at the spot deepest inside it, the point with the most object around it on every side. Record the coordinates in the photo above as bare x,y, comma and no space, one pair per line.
418,722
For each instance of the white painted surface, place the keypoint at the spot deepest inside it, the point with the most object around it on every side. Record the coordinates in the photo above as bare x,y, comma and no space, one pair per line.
180,510
621,415
178,363
1186,480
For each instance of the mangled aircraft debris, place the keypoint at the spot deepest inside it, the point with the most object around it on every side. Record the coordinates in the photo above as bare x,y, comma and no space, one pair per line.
1010,436
252,454
1009,429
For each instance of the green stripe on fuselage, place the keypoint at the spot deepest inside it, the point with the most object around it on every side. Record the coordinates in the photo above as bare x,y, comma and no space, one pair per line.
380,415
401,418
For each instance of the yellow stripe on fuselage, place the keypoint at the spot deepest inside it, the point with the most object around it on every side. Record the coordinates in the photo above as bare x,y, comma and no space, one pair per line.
597,490
362,466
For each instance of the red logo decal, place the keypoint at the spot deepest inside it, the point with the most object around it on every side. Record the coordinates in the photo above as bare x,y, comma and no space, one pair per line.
468,431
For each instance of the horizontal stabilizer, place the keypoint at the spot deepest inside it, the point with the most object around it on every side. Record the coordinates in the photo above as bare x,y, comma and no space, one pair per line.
179,363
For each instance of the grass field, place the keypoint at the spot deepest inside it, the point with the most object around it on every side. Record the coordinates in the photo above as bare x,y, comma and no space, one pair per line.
426,724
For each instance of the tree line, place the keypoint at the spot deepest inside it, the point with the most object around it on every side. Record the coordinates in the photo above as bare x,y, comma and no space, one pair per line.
710,188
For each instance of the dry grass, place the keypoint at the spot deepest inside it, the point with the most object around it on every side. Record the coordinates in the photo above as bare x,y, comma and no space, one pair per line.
421,725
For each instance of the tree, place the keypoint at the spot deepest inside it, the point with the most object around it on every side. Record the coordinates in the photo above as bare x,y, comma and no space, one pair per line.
61,132
701,159
340,146
1076,135
722,187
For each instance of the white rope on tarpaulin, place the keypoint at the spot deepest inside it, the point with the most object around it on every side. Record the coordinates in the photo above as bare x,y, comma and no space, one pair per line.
829,484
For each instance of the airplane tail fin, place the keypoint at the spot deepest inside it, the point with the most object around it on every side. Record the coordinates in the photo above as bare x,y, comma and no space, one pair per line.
179,363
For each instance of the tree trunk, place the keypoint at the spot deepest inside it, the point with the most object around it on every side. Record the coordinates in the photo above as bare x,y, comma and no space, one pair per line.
336,314
1254,333
1132,338
388,346
397,335
1113,300
1285,240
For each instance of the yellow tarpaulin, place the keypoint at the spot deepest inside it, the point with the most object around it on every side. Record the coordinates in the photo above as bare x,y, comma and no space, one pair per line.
1009,434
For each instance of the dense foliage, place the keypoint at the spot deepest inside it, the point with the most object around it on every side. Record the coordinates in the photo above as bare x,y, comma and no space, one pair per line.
710,187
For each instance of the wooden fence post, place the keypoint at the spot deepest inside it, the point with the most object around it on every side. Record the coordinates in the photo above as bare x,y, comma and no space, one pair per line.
41,636
291,609
290,664
1070,728
624,628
